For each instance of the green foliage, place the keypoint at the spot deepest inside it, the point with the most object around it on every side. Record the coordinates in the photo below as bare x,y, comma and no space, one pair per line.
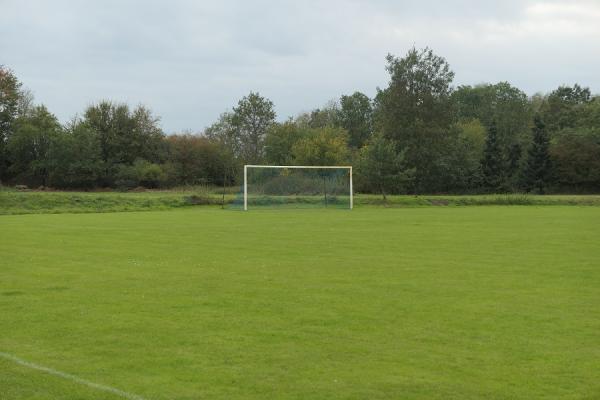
416,112
251,120
195,160
564,107
576,158
323,146
492,164
572,118
28,147
460,162
589,117
356,116
502,103
511,112
9,100
327,116
473,132
10,88
225,134
419,90
279,142
75,160
381,167
140,173
125,136
538,168
439,130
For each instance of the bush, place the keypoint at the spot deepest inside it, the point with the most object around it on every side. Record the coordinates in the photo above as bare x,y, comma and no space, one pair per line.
125,177
149,175
141,173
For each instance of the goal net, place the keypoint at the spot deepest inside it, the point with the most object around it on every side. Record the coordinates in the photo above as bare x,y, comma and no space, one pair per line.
295,186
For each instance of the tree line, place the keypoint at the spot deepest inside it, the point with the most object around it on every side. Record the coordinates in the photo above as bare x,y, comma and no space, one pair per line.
419,134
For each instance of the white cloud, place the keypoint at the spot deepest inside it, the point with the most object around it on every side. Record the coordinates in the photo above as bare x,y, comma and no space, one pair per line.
548,21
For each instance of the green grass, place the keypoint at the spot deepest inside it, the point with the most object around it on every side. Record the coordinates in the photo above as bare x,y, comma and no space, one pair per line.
405,303
34,202
14,202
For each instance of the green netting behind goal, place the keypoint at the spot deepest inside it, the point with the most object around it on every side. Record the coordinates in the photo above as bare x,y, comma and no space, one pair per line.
281,187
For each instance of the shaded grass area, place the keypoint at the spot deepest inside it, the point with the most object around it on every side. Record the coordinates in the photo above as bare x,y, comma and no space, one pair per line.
421,303
14,202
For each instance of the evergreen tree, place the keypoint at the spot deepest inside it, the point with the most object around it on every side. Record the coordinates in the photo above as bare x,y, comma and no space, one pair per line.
537,171
492,165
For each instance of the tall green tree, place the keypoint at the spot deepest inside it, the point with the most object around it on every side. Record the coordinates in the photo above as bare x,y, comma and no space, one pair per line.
251,120
75,158
462,157
510,110
125,136
225,133
564,106
381,167
279,142
323,146
492,164
10,88
326,116
589,117
537,172
415,112
575,155
356,116
28,147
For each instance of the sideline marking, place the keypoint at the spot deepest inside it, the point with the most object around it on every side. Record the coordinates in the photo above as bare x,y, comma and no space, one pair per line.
70,377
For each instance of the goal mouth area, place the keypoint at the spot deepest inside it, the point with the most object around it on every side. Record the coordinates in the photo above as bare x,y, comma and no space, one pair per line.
296,186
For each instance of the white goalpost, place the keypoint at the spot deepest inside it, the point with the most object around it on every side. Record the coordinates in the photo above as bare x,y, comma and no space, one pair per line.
311,185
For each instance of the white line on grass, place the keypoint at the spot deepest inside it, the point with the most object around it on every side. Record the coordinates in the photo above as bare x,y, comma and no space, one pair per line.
70,377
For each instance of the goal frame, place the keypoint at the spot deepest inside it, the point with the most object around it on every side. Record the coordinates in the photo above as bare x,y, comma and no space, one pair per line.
348,167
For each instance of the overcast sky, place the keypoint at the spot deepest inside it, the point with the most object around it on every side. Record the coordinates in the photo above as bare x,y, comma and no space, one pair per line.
191,60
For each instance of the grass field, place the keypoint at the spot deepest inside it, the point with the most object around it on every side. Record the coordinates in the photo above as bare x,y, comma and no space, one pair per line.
13,202
405,303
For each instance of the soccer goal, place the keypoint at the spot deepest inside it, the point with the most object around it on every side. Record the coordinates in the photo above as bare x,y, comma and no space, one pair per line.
297,186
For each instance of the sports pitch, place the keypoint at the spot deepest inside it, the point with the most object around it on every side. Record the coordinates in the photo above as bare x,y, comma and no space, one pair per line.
418,303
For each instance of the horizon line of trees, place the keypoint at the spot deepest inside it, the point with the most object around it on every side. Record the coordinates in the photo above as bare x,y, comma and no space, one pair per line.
417,135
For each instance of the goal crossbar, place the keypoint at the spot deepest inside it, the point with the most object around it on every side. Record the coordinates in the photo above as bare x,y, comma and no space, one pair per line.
300,166
348,167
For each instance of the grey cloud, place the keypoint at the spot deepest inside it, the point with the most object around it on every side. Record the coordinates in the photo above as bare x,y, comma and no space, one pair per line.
191,60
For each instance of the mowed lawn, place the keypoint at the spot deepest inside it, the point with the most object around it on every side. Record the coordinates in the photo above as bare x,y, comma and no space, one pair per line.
420,303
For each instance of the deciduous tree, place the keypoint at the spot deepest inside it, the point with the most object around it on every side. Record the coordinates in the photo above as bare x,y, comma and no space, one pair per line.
381,168
28,146
9,106
280,141
251,119
324,146
356,116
